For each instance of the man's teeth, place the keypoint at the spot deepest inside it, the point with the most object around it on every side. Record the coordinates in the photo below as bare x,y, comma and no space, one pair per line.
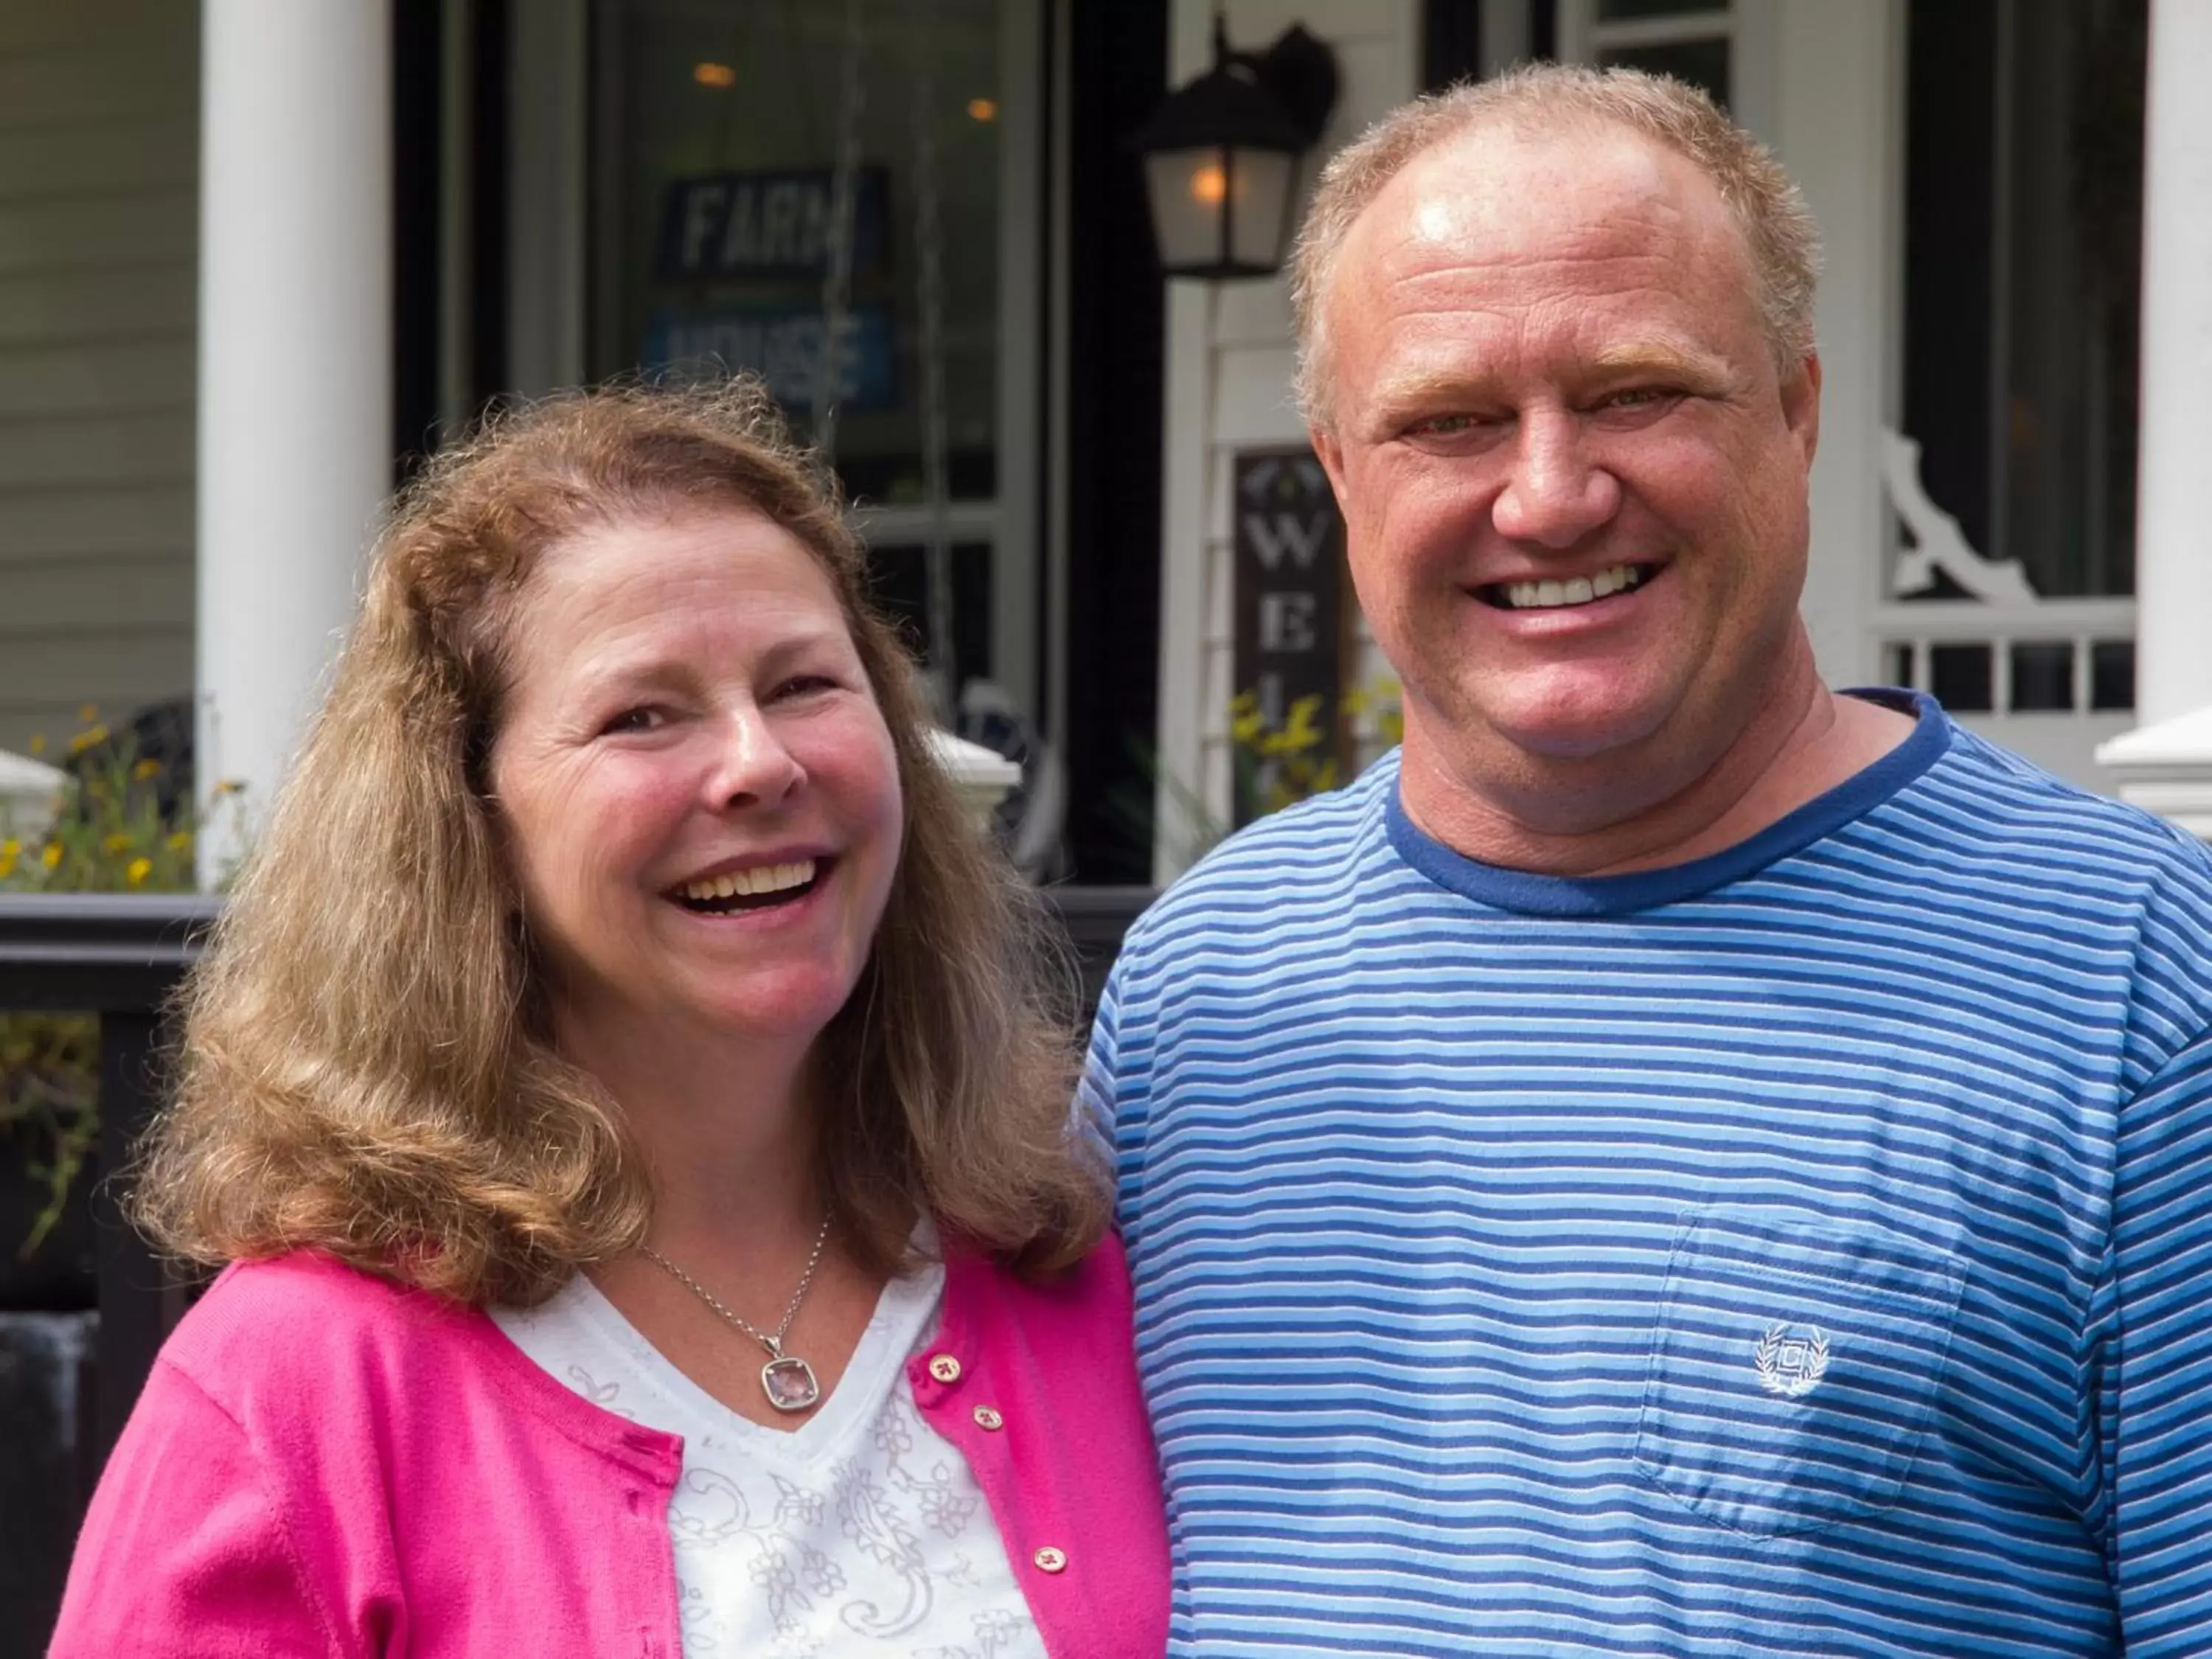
1577,590
739,883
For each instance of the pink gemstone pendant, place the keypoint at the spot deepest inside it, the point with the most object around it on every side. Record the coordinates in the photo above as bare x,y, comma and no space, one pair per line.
790,1383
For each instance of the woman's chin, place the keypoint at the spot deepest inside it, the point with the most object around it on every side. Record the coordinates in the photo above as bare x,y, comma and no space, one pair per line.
795,1007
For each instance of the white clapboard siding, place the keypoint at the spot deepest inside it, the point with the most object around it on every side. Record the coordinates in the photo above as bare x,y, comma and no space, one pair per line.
1229,361
98,147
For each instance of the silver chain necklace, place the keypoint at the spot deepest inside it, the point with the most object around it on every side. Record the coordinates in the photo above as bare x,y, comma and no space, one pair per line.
787,1379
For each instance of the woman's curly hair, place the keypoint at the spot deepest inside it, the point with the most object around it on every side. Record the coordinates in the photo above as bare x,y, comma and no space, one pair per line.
365,1068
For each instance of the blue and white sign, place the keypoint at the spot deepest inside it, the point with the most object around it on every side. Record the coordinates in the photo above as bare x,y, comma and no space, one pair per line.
785,346
743,226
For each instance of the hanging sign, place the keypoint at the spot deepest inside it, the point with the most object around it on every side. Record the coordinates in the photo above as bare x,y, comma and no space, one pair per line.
784,346
744,225
1290,644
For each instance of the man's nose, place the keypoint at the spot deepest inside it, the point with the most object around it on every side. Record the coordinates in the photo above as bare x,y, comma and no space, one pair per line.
752,766
1554,496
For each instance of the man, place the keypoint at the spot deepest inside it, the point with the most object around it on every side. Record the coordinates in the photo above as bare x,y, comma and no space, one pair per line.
1677,1160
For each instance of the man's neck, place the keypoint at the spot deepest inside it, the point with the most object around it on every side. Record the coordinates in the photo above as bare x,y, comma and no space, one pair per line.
1802,741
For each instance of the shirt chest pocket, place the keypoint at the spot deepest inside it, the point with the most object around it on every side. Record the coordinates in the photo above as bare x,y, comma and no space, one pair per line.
1795,1366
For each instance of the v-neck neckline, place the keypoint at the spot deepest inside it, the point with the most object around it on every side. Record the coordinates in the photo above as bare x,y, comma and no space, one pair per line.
902,1312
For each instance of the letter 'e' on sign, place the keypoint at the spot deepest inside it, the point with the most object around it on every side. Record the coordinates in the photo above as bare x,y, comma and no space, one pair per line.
1290,612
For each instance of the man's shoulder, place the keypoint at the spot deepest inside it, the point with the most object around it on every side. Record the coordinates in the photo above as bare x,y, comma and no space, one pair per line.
1985,803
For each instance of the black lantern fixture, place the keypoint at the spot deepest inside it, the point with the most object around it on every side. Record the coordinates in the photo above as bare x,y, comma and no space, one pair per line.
1221,154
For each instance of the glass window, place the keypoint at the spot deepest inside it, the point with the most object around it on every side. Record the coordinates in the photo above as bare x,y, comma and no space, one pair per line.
1615,11
1701,63
727,125
2023,267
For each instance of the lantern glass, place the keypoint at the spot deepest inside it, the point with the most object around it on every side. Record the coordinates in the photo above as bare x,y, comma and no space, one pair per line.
1193,190
1261,182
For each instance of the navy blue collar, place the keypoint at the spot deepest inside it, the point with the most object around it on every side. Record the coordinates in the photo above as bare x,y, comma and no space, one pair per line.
1609,896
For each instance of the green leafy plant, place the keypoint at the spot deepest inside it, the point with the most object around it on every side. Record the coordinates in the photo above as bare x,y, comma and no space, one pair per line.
1281,763
111,832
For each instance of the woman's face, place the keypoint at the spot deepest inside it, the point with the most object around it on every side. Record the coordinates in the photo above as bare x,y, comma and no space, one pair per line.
700,795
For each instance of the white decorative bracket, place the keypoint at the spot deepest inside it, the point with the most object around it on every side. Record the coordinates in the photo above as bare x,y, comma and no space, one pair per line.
1939,545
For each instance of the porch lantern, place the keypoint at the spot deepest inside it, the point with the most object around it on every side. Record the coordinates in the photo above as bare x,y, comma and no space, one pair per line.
1221,154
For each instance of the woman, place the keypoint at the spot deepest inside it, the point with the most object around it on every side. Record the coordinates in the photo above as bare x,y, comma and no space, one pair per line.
621,1085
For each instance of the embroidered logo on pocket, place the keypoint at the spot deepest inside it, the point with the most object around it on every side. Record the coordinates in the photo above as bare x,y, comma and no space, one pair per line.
1791,1359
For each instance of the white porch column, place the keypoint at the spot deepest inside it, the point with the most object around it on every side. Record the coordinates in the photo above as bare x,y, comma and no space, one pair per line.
2167,760
294,415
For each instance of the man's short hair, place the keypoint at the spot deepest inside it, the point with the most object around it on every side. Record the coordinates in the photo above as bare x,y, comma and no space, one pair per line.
1540,99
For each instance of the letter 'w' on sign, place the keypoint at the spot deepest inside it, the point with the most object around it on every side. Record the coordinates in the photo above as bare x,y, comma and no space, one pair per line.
1301,535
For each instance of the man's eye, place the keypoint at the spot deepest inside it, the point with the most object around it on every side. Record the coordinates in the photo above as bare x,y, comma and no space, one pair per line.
1641,397
1444,426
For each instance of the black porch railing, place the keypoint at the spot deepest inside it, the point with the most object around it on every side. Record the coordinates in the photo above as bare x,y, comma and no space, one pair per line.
121,958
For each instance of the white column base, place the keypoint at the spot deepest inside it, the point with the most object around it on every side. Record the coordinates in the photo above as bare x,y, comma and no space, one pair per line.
982,775
30,791
2166,768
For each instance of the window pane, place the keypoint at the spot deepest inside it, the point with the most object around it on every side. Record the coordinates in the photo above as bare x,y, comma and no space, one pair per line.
725,134
2113,674
1701,63
1960,678
1610,11
2023,267
898,580
2043,675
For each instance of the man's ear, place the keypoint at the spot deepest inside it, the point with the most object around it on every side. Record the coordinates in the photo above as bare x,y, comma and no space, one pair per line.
1801,405
1330,453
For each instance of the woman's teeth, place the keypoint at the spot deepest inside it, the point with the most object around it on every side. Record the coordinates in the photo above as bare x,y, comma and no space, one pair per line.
1576,590
744,883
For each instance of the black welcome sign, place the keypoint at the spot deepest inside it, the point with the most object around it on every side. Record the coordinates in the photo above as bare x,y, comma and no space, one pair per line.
1290,616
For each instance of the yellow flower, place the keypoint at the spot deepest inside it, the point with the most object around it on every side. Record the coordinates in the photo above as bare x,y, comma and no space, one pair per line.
88,714
10,848
86,738
146,769
38,743
228,787
117,843
138,870
7,860
181,841
53,854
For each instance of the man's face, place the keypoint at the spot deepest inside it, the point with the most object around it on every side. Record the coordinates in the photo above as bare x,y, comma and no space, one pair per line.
1573,479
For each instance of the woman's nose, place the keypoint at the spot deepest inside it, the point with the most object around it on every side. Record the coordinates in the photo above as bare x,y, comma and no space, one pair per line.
1554,496
753,767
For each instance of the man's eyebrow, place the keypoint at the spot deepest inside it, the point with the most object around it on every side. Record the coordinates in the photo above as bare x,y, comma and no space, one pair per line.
1417,390
1661,357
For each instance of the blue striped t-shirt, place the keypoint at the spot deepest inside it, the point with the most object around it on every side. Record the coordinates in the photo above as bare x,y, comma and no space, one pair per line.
1804,1250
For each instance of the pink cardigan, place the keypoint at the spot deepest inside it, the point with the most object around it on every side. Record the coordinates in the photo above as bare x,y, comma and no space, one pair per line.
323,1463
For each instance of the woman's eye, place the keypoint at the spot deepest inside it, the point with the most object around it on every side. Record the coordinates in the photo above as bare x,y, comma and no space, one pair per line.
637,719
801,685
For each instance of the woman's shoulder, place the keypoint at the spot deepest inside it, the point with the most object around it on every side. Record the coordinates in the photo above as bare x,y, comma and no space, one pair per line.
1092,1296
303,1320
